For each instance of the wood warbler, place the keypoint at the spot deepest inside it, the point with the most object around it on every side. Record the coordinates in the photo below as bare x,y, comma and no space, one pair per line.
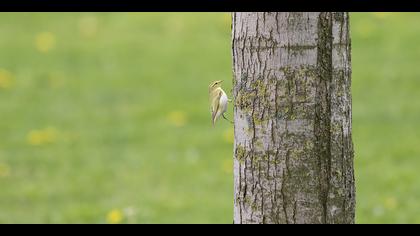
218,101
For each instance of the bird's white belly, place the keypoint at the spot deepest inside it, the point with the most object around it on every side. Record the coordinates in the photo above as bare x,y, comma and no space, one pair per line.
223,102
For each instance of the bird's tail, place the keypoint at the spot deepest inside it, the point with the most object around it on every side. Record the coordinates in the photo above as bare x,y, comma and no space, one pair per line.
214,120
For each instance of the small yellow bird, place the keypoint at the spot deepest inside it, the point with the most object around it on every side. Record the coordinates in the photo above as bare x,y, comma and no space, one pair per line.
218,101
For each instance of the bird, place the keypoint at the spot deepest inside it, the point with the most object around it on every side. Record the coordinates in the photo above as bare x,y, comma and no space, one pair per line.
218,101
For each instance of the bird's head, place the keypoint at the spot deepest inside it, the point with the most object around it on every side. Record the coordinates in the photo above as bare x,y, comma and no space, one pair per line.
215,84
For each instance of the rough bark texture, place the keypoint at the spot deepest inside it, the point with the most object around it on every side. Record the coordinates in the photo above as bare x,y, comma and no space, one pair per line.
293,151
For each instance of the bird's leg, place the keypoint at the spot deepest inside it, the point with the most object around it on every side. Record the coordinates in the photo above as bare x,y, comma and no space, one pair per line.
223,115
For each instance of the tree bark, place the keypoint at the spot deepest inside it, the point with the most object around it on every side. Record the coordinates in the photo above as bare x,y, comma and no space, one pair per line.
293,151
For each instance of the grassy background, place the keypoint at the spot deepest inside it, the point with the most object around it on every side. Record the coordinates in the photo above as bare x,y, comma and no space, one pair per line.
104,118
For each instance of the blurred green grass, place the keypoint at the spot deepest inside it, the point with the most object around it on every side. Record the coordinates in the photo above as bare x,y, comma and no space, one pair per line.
106,114
386,115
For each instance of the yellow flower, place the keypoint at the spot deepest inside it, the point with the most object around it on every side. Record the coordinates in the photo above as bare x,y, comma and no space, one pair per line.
366,29
177,118
45,42
227,166
88,26
227,18
174,24
6,79
4,170
381,15
228,135
56,80
42,137
391,203
115,217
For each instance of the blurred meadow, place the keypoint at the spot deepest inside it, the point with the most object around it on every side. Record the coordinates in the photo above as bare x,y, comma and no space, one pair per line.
104,118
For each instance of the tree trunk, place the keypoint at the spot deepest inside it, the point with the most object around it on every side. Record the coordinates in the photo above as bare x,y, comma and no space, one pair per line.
293,154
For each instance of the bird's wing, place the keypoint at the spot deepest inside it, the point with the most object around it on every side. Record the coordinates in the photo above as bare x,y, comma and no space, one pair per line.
215,105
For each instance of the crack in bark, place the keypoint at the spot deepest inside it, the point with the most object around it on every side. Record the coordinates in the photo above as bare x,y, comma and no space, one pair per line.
240,187
323,106
284,203
294,212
